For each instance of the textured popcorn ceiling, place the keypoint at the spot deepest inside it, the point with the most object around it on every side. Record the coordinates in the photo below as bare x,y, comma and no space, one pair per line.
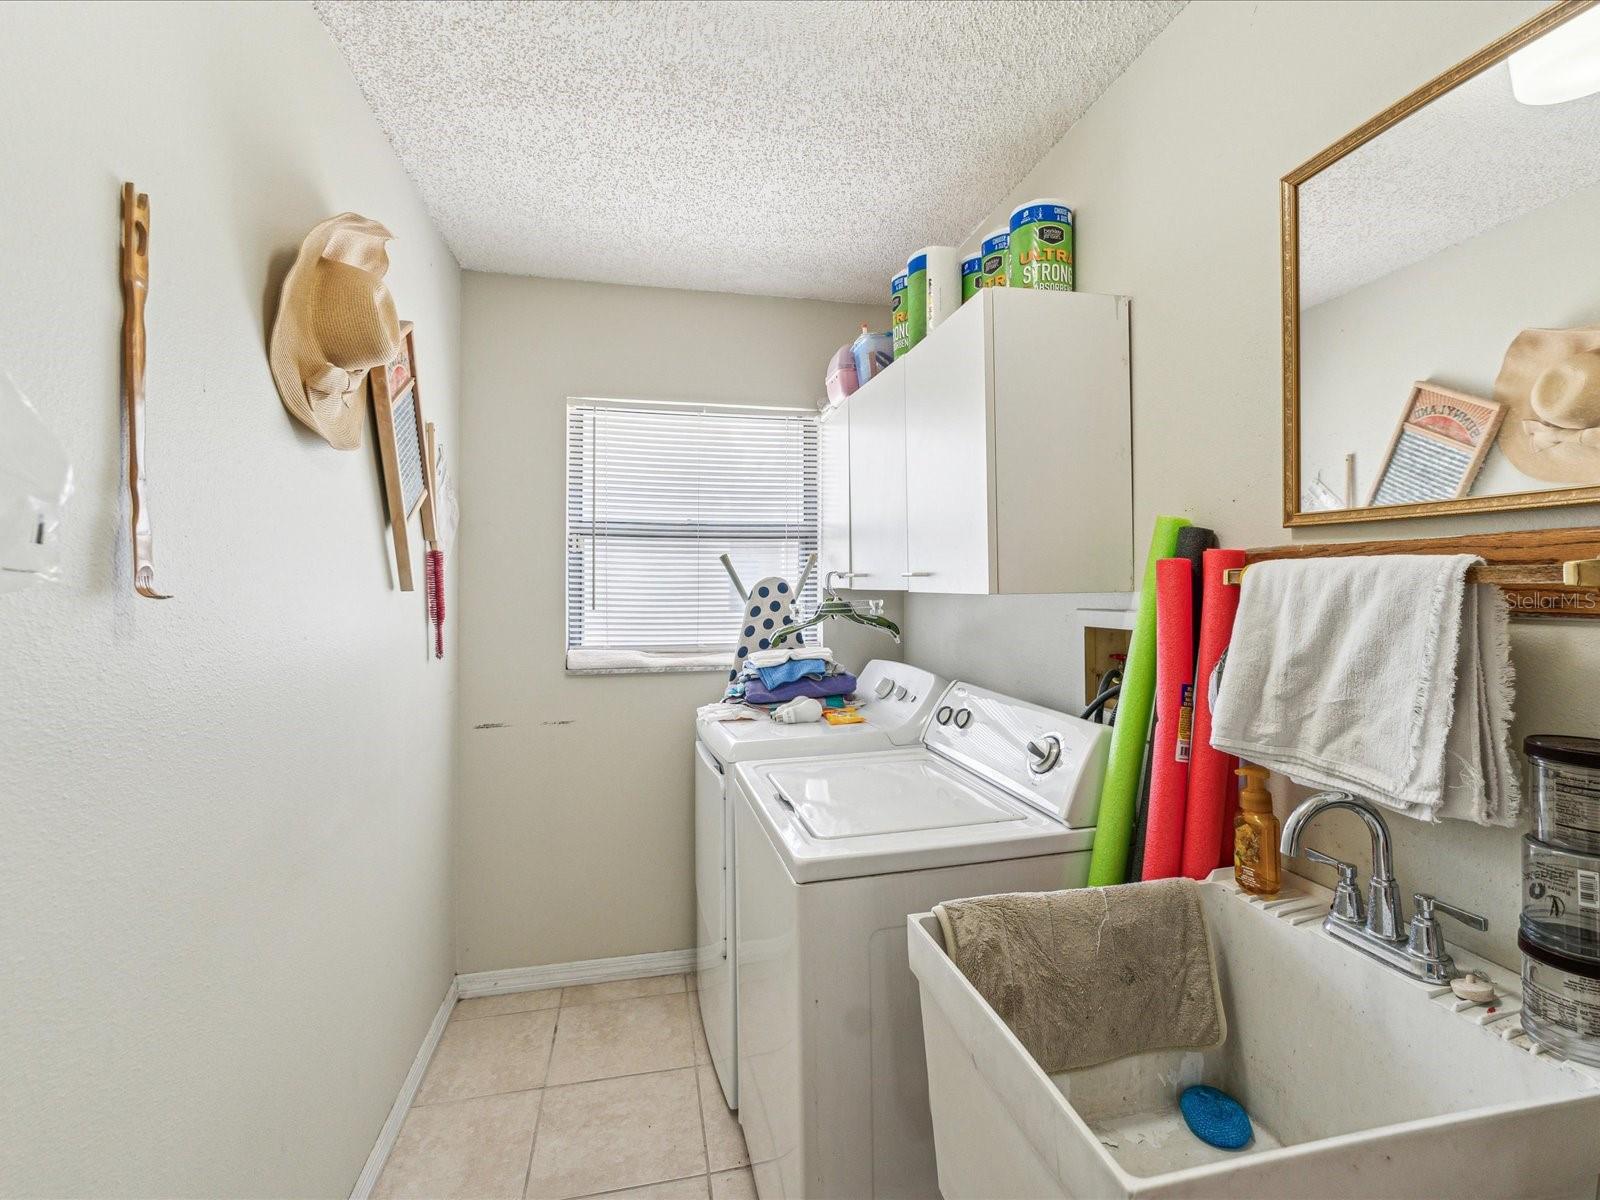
1473,159
789,149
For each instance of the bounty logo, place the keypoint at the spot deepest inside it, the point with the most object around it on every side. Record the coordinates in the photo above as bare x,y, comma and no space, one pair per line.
1053,234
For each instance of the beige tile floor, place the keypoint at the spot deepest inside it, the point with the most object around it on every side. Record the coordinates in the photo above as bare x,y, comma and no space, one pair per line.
597,1091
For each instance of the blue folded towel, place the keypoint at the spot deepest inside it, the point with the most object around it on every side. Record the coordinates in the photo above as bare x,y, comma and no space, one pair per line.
841,684
795,668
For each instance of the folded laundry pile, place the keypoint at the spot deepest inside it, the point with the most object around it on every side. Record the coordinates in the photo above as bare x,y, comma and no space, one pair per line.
785,673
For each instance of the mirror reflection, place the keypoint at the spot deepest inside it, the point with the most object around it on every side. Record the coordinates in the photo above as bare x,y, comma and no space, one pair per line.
1450,292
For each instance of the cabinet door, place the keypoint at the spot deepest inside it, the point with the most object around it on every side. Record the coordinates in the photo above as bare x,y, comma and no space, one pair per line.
1063,448
878,483
833,495
949,530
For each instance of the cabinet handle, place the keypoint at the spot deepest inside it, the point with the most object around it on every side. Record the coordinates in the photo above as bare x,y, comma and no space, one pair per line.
915,574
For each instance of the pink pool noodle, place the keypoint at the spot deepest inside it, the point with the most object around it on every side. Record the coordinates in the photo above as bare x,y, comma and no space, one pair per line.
1169,755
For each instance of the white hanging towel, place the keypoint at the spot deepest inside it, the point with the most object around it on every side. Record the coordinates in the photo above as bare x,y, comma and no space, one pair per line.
1386,676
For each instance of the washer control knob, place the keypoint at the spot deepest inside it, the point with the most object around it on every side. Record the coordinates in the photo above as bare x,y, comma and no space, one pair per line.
1044,753
900,692
944,714
884,689
963,718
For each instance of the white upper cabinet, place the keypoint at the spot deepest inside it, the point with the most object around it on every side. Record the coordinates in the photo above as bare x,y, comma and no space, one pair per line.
997,456
877,414
833,500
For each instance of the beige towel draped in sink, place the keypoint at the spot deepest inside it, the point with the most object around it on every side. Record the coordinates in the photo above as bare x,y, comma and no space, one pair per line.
1090,975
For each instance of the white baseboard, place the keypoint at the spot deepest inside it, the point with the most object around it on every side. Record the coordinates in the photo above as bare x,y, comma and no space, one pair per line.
594,970
402,1103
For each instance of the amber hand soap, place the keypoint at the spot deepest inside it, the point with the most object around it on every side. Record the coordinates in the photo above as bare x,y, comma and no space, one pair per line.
1255,834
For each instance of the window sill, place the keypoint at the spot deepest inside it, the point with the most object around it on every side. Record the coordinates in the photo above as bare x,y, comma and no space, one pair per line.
645,662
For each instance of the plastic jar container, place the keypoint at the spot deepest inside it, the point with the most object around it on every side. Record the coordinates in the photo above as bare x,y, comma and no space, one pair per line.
1564,787
1561,899
873,352
1561,1002
841,380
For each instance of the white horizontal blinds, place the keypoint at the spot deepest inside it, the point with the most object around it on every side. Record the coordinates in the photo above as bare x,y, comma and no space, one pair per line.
655,495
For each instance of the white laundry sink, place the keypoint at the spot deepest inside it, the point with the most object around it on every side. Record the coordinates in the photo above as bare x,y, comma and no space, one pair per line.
1359,1081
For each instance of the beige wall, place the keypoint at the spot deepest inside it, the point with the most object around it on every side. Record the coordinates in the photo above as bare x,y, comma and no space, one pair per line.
1174,178
224,868
576,834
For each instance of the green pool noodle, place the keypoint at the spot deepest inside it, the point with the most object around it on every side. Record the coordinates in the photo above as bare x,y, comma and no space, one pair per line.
1119,795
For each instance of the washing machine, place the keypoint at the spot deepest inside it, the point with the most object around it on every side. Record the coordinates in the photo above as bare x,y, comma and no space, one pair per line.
832,854
897,702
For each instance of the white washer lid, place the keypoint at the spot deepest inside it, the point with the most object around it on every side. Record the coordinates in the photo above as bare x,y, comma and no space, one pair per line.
848,801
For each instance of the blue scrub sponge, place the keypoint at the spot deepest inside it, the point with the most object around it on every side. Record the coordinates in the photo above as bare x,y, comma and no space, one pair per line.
1214,1117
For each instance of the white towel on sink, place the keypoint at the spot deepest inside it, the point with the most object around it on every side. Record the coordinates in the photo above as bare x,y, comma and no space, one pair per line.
1385,676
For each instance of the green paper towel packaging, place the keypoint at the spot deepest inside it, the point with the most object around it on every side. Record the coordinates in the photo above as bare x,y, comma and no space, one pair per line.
971,273
1040,246
933,290
996,257
897,310
1119,796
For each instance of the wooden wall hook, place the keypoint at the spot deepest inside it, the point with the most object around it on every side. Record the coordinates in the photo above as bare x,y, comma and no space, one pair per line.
135,290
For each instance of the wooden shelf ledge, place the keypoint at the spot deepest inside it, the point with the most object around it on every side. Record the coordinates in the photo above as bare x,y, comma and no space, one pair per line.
1526,565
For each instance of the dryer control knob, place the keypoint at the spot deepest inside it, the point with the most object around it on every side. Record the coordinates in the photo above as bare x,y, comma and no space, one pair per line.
1044,754
963,718
884,689
944,714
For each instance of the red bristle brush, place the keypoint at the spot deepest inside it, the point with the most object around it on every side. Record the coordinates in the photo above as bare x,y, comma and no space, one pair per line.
435,585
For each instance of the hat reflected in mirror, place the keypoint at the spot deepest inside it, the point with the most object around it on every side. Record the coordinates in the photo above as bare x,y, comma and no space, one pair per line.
1550,383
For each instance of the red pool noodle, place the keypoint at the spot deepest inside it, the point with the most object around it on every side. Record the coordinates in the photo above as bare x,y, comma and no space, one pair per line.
1169,756
1208,816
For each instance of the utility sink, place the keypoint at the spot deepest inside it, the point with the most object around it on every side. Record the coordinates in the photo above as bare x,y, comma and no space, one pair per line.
1360,1082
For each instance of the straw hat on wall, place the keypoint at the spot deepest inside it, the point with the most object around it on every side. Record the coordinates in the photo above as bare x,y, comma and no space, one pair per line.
336,321
1550,384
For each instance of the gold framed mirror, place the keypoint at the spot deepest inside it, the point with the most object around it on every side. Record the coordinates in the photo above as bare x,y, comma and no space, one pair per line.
1441,306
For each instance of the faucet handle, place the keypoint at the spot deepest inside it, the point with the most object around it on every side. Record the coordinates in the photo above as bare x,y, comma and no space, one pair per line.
1346,900
1426,940
1347,871
1426,905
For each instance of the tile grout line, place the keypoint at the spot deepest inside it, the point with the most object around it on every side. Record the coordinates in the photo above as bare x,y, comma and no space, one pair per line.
533,1142
557,1007
625,1074
556,1086
706,1175
700,1106
620,999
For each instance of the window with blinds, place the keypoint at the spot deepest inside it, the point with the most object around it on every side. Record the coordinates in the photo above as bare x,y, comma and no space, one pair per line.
655,495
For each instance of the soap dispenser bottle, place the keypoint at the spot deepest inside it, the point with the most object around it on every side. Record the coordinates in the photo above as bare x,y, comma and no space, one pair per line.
1255,834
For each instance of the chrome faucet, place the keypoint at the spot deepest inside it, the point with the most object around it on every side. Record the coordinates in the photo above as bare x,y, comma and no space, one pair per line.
1375,928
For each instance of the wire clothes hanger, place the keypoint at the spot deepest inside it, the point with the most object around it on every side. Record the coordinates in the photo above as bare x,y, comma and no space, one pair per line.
831,607
835,607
